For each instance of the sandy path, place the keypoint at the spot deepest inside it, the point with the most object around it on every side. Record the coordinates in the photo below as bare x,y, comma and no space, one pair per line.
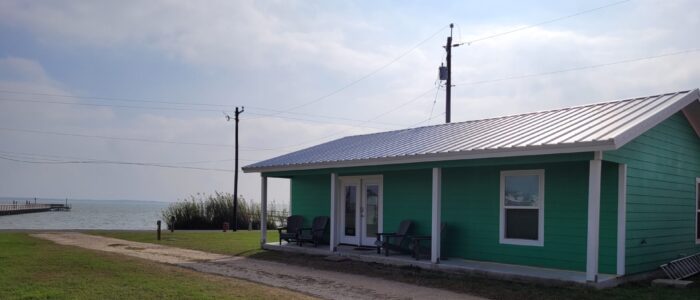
324,284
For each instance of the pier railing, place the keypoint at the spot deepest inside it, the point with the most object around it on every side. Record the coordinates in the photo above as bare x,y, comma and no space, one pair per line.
8,207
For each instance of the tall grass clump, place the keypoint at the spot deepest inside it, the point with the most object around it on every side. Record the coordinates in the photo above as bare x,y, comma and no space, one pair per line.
201,211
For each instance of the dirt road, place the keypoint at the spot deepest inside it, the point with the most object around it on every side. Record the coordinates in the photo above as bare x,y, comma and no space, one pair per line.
319,283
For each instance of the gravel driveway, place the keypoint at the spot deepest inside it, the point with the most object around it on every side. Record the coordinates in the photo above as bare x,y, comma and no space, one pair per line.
319,283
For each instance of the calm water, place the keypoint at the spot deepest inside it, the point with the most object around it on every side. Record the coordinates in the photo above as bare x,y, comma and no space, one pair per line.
89,214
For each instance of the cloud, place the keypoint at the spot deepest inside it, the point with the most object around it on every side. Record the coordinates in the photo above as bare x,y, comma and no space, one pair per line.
281,54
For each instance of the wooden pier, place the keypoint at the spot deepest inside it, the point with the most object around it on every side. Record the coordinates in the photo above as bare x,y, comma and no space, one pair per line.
15,209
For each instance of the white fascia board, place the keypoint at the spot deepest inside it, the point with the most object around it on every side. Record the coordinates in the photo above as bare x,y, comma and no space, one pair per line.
448,156
649,123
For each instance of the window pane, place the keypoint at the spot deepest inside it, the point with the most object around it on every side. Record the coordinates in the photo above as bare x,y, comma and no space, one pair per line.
372,216
522,190
350,205
697,192
521,224
698,229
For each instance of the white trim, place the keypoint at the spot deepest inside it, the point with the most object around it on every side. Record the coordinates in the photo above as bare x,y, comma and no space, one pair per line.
649,123
540,207
334,212
697,208
593,231
365,181
361,182
621,217
436,216
447,156
263,210
345,181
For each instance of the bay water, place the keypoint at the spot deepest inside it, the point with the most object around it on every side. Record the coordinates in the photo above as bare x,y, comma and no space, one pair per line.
88,214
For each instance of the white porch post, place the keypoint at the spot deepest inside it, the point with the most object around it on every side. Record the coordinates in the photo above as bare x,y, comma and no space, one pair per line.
334,215
593,217
621,217
436,224
263,210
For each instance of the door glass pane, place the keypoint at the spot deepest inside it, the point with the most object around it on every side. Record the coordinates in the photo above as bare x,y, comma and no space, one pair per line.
372,215
522,224
350,211
522,190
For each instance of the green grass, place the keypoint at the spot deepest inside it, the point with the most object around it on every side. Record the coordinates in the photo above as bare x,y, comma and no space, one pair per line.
240,243
246,243
32,268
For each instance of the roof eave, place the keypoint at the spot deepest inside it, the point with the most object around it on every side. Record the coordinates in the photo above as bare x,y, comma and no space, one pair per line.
445,156
634,132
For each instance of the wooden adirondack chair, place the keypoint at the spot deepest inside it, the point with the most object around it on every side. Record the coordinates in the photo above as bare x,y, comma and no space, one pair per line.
291,231
395,241
316,233
420,245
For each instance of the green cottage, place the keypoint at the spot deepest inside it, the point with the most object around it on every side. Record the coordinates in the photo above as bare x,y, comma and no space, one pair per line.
587,193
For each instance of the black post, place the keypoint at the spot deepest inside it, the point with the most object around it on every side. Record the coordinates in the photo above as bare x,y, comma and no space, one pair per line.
158,223
448,87
235,175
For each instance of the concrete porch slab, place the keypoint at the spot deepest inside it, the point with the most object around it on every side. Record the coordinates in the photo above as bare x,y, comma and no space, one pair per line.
456,265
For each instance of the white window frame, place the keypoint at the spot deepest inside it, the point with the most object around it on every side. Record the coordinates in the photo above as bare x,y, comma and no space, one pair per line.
697,208
540,206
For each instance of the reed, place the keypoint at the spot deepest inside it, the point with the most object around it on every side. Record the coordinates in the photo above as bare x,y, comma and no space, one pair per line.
202,211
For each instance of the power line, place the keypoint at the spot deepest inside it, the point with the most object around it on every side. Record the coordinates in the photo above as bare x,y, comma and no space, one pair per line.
542,23
106,162
121,138
33,101
163,102
50,157
370,74
578,68
374,118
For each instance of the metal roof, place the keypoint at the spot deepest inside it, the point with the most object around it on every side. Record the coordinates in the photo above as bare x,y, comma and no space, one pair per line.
594,127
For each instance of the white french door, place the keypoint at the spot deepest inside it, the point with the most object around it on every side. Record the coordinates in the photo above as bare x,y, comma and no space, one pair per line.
360,209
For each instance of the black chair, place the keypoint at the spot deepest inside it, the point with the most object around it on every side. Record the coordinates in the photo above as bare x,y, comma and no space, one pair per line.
291,231
316,233
395,241
418,246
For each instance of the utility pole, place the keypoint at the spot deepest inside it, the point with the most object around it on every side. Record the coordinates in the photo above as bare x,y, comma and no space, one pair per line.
235,174
448,85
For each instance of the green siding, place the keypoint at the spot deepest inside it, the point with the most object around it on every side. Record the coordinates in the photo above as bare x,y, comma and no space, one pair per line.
311,196
662,166
408,195
471,205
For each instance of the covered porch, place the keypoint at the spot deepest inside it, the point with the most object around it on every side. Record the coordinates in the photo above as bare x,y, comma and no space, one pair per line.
433,218
452,265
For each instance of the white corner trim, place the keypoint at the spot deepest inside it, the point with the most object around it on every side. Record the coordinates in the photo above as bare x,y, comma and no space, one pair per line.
334,212
621,217
263,210
436,216
540,230
697,207
593,232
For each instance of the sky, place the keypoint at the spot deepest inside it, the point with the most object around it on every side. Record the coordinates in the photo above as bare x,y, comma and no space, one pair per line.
126,99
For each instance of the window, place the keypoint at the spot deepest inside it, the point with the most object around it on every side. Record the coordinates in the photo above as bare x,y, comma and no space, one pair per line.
522,207
697,210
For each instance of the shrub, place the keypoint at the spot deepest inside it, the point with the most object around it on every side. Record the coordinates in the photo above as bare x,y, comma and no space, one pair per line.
201,211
